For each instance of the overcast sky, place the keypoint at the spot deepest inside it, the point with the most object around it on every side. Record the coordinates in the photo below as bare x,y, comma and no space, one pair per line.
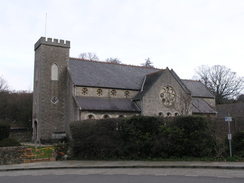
179,34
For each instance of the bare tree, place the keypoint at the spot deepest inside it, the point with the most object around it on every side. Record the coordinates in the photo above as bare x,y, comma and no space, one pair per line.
184,106
221,81
89,56
113,60
147,63
240,98
3,85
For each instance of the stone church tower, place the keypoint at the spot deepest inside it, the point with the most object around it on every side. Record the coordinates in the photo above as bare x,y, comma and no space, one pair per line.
50,87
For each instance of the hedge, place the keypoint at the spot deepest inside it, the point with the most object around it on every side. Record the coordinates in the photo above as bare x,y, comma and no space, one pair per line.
4,130
8,142
238,144
142,137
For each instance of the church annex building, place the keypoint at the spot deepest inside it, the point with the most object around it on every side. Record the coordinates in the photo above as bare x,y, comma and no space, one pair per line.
69,89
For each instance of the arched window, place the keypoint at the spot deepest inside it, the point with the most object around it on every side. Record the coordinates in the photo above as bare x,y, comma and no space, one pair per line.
105,116
161,114
91,116
54,72
35,131
168,114
121,116
176,114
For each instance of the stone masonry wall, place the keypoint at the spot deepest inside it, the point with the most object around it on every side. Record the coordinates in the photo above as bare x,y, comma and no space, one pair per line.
152,104
50,117
11,155
100,115
106,92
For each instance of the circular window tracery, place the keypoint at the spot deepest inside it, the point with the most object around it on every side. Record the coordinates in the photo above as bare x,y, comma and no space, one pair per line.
167,95
127,93
99,92
113,92
84,91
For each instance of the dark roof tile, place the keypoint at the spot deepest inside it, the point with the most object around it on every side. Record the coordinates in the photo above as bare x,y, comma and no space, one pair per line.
200,106
197,89
102,74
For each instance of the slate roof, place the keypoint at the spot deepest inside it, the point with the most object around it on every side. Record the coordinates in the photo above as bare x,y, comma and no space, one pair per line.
106,104
198,89
107,75
200,106
120,76
147,83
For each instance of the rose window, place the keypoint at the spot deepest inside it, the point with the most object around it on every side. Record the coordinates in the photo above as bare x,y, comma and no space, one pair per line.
167,95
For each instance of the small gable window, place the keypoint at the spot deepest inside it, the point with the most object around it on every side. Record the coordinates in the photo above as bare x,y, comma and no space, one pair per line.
54,72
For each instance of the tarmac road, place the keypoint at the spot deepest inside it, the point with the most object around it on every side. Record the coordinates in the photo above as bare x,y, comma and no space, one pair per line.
135,175
115,179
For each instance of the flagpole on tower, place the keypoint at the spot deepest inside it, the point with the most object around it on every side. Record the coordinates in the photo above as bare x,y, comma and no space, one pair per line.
46,25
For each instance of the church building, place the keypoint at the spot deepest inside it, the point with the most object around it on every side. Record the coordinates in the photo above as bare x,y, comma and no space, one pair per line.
69,89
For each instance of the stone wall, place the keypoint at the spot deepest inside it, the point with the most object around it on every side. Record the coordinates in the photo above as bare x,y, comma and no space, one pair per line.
104,92
49,95
11,155
152,104
221,127
101,115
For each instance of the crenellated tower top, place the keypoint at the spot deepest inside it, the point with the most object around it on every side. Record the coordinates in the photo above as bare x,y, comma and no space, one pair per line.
52,42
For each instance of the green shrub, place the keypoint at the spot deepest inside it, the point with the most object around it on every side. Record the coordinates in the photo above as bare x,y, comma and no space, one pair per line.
238,144
95,139
195,138
138,135
142,137
7,142
4,130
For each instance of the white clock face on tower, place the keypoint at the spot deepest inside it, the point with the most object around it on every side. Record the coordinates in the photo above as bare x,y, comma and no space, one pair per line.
167,95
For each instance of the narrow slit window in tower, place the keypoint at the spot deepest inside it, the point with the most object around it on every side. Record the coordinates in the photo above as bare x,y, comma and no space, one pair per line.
54,72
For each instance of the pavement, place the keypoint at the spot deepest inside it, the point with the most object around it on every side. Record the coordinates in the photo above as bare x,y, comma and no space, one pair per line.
72,164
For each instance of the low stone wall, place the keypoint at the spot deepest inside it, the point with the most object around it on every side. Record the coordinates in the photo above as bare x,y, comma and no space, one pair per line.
221,127
11,155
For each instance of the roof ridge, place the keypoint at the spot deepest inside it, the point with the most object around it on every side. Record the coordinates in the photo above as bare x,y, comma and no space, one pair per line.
191,80
155,72
179,81
104,62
